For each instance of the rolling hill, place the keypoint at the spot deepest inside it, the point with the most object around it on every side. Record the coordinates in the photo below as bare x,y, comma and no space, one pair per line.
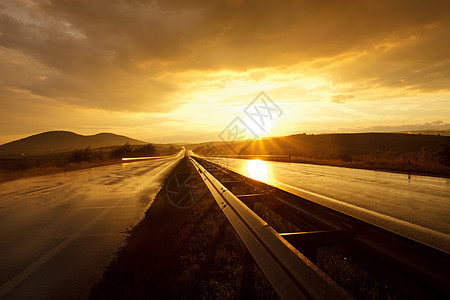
61,141
332,144
445,132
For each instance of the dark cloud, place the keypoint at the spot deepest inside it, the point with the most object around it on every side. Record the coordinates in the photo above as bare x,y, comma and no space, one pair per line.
121,55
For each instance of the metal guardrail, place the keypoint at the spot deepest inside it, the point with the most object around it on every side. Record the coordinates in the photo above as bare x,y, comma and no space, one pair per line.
290,273
421,270
134,159
249,156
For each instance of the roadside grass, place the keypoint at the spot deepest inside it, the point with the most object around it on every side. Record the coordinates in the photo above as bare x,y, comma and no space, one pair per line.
413,163
12,169
349,275
185,254
354,279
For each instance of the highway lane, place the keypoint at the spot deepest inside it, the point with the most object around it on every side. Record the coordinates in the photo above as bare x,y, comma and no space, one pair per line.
416,206
59,232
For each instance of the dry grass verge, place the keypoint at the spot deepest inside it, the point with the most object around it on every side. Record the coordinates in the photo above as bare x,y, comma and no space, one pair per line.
8,173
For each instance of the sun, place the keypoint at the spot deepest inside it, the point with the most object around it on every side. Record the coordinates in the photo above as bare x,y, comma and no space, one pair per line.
257,129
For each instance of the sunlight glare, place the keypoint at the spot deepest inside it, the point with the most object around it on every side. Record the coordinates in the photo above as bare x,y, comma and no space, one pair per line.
258,169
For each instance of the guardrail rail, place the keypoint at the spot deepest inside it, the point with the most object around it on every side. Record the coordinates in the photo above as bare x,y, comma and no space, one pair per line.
290,273
419,270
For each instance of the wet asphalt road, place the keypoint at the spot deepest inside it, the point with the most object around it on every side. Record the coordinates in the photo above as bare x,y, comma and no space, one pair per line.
415,206
59,232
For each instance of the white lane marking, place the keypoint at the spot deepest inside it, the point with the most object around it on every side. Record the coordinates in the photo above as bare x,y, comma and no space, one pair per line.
13,282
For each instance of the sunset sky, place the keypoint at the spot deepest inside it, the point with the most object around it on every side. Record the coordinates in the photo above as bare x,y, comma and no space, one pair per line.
180,71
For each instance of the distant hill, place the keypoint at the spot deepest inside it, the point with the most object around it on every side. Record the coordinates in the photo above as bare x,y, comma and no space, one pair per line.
445,132
332,144
60,141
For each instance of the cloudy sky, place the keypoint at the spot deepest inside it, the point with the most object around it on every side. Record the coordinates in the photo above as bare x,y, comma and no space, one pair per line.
180,71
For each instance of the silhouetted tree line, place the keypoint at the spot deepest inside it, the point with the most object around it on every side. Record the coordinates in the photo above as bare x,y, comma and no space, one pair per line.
88,155
128,151
444,154
14,164
84,155
146,150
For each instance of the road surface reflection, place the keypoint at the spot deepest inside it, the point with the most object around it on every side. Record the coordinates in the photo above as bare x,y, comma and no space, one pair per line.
390,200
59,232
258,169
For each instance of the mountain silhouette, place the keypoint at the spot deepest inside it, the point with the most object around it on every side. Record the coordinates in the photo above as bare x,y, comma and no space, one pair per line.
60,141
